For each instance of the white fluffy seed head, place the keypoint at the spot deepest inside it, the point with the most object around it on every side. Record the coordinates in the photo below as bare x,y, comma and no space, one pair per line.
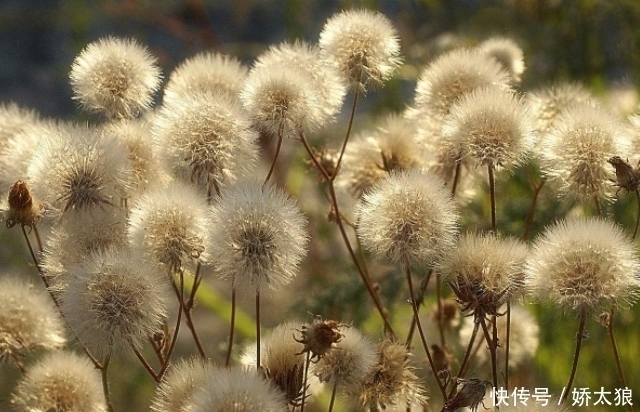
61,381
584,265
281,101
14,120
576,152
238,389
207,72
325,80
114,301
455,74
507,53
175,392
492,126
168,227
348,364
363,44
408,218
258,236
79,170
115,77
28,320
206,139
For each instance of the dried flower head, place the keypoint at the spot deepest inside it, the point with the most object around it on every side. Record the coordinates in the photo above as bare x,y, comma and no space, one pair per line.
281,101
363,44
584,265
14,120
319,338
77,170
523,337
548,102
238,389
370,156
393,381
350,362
28,319
114,301
115,77
174,393
168,227
576,152
282,360
470,393
23,208
207,72
490,125
206,139
485,272
258,236
507,53
407,218
60,382
455,74
325,80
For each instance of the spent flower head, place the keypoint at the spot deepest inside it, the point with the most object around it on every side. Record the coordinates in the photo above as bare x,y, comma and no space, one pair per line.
14,120
115,77
408,218
114,301
206,139
21,207
319,338
490,125
363,44
28,319
258,236
584,265
507,53
61,381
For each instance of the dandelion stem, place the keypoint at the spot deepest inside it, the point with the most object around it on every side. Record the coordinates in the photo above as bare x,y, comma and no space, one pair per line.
598,207
492,343
532,210
414,306
616,354
232,326
174,338
456,178
421,293
258,329
105,383
346,137
187,308
307,363
443,342
574,367
146,365
506,347
275,158
467,354
492,195
333,396
359,267
635,231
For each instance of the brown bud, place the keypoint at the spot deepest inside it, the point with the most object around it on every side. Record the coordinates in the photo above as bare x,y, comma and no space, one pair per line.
22,208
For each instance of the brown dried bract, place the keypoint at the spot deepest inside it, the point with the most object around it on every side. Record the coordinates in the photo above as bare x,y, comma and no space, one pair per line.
22,207
627,177
319,338
470,394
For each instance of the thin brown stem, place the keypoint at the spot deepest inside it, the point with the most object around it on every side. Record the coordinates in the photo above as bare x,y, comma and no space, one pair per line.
579,338
506,347
258,329
232,326
414,306
467,354
146,365
105,383
598,207
492,343
346,137
492,195
176,330
616,354
307,363
635,230
275,159
187,307
456,178
532,211
333,396
423,290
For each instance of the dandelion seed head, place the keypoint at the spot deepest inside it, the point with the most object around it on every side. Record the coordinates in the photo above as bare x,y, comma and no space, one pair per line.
576,152
115,77
114,301
492,126
363,44
28,320
455,74
175,392
350,362
238,389
258,236
206,72
281,101
507,53
60,382
407,218
584,265
168,227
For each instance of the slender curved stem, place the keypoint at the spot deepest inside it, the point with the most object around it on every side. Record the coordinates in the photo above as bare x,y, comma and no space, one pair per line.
616,354
576,355
275,159
146,365
492,194
414,306
456,178
258,329
346,137
187,307
532,211
423,290
467,354
491,342
635,231
506,347
333,396
174,338
105,383
307,363
232,326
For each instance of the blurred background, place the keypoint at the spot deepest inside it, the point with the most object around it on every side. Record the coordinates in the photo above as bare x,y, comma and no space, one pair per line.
595,42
